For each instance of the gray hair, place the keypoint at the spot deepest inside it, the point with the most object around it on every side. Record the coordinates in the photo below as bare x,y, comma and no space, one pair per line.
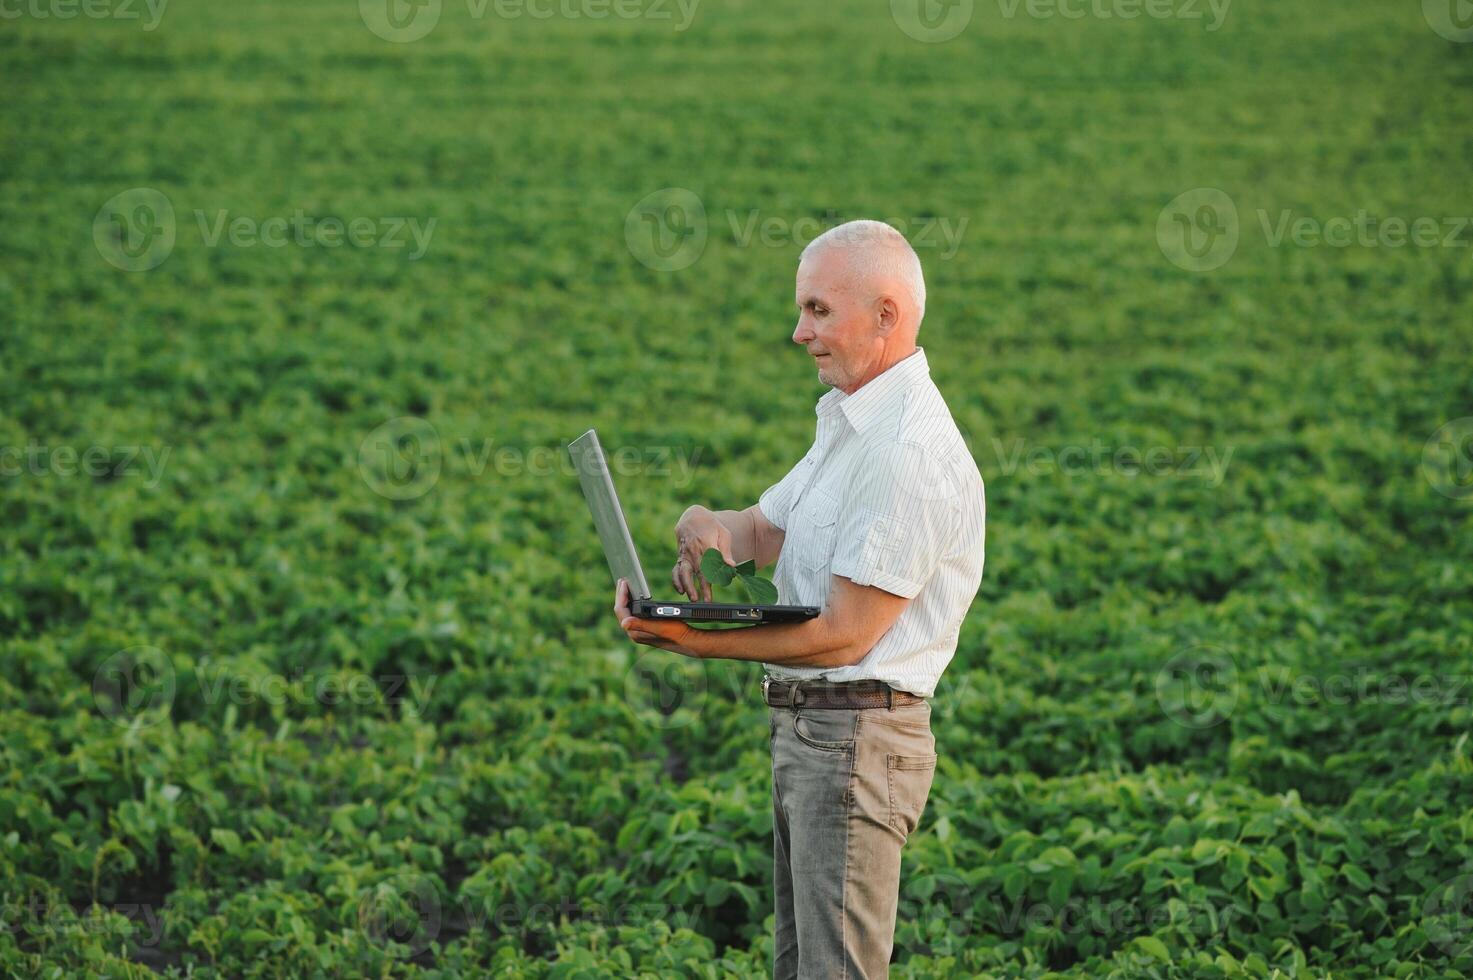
876,250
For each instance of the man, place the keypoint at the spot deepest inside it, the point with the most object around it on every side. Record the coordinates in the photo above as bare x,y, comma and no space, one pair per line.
881,524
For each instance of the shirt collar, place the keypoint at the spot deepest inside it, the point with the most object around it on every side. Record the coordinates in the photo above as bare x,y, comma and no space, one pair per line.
879,396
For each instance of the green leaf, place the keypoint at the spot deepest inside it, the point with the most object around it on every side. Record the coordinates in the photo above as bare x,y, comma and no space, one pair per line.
760,590
1356,876
228,840
715,569
1265,886
1059,886
1155,947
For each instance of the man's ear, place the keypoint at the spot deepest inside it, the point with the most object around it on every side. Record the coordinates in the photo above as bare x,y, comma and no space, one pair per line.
887,315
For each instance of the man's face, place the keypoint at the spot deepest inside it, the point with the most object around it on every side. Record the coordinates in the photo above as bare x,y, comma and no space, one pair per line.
837,326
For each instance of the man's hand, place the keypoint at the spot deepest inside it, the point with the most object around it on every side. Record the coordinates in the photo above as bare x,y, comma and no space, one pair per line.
697,530
671,634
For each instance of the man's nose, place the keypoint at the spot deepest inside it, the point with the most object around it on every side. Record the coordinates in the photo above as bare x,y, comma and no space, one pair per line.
801,334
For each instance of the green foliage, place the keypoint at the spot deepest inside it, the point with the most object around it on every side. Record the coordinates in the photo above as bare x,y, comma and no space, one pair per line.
756,588
1207,720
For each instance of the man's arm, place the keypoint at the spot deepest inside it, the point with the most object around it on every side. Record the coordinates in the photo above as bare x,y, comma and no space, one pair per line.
854,619
752,535
740,535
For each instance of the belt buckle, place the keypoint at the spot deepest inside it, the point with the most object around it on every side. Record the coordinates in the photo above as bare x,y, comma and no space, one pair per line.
790,697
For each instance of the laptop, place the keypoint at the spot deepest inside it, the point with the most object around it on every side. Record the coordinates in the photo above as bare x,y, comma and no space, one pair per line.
613,531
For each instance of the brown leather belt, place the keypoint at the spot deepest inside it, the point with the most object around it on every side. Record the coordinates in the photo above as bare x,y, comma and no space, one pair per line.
834,694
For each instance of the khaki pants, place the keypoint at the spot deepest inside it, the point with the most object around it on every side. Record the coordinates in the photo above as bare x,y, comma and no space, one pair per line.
848,787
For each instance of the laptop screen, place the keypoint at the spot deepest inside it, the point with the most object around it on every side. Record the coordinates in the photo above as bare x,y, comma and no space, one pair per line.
608,517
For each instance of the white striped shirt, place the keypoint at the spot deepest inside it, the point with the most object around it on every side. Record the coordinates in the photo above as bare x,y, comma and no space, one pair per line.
887,496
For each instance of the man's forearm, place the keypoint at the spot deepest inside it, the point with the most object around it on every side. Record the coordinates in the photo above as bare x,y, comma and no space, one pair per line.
743,531
813,643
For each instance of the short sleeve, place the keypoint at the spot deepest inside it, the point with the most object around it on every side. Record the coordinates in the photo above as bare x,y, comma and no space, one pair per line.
777,500
898,520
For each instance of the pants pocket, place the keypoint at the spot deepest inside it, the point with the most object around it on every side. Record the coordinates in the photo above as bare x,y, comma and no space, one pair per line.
910,779
825,729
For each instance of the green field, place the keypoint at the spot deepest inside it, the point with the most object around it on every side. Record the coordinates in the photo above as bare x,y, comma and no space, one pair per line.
284,691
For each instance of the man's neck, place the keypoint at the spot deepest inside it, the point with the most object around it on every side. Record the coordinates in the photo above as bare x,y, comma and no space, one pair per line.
886,363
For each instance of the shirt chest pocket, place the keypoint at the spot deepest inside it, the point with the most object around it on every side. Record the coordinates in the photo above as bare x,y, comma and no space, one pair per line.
818,516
